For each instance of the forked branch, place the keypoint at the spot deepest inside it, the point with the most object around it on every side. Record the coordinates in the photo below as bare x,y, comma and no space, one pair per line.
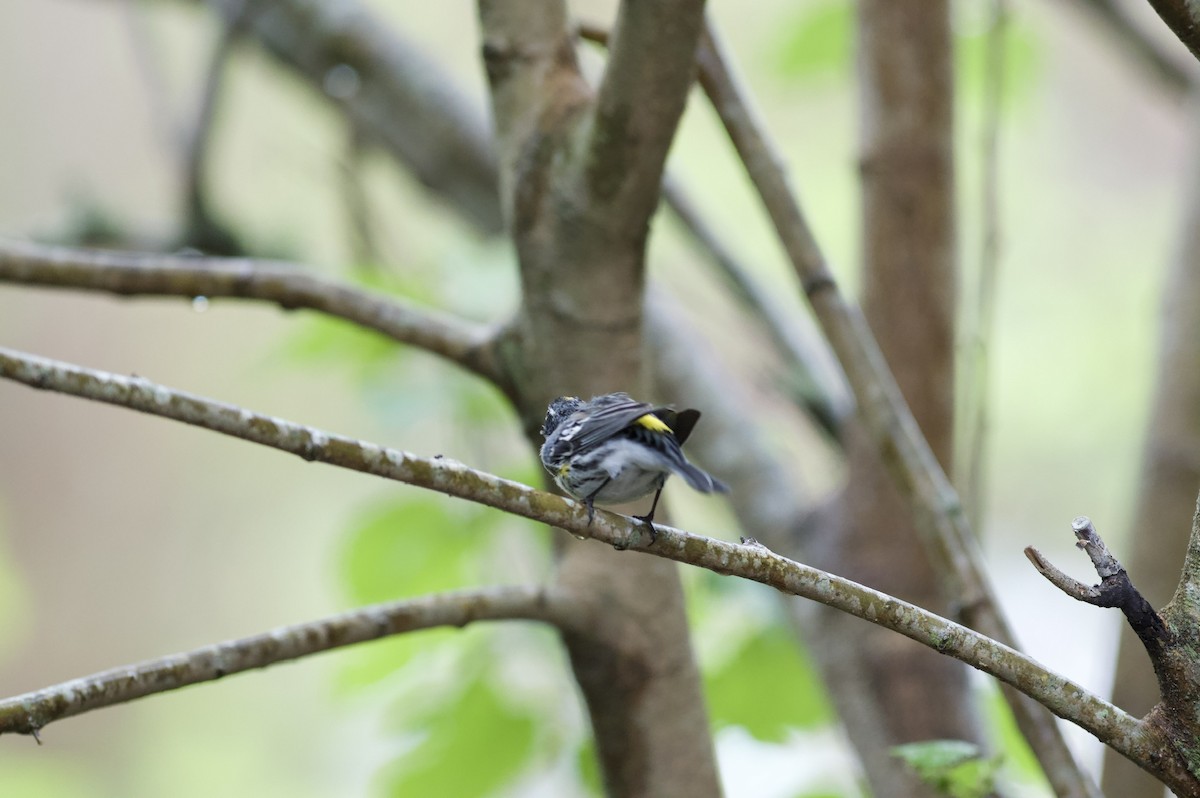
1169,641
1115,588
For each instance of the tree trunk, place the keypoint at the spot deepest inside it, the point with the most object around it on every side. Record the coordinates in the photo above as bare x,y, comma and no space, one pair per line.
580,176
900,692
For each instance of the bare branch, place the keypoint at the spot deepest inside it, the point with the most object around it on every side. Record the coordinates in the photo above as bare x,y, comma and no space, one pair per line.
750,561
944,528
1069,585
1183,18
31,712
284,284
360,221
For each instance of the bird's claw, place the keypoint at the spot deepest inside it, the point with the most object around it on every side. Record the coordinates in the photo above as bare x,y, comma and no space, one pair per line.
648,520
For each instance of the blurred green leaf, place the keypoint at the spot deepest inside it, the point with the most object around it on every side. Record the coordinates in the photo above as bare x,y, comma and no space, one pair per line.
14,601
471,746
47,776
1013,745
954,768
327,339
478,401
1022,59
323,339
412,547
817,41
366,665
589,768
769,687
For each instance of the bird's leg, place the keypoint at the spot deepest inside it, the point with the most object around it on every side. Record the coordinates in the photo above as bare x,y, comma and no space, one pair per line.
589,500
648,518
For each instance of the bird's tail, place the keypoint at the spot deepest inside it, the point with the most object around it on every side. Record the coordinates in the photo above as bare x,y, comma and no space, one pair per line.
699,479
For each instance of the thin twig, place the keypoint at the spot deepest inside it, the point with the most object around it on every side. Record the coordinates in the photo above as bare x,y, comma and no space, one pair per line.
977,413
943,525
201,230
148,59
750,561
284,284
1057,577
360,222
30,712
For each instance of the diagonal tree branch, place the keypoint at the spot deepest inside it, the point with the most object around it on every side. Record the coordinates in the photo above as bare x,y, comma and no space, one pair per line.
284,284
1183,18
31,712
750,561
437,473
941,521
815,378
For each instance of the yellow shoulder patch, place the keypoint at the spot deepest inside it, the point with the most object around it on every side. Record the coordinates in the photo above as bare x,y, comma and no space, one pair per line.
653,423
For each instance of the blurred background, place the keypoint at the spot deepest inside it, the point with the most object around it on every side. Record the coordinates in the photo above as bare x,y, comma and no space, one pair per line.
124,537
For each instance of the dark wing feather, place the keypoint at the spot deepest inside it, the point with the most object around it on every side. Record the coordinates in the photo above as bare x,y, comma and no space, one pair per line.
683,424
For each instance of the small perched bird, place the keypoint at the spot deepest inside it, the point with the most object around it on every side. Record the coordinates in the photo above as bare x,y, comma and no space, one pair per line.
615,449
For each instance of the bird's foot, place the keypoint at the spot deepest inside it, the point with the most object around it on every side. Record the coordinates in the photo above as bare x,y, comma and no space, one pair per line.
648,520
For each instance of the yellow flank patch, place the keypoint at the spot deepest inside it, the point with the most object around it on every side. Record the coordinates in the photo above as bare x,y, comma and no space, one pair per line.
653,423
564,468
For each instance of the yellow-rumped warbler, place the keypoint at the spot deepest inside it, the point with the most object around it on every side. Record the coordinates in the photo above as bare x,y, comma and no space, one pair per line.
614,449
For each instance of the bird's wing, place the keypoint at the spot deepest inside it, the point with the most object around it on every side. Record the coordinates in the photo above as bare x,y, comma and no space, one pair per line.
611,419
